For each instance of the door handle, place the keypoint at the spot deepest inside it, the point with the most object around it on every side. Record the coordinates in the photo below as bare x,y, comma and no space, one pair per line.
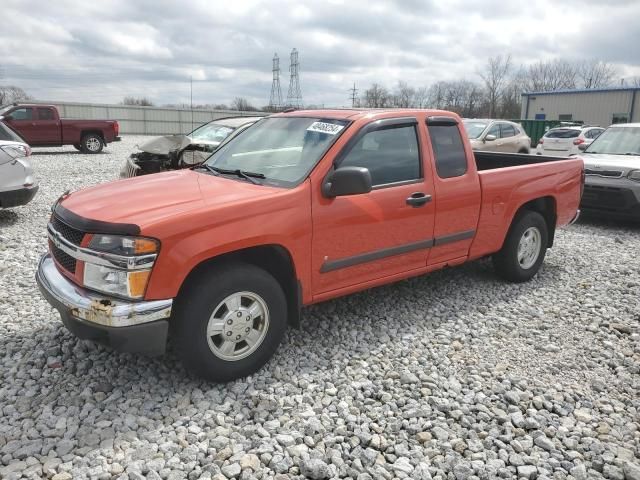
418,199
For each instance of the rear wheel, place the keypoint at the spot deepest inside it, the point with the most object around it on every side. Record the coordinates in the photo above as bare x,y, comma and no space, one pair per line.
524,151
229,321
524,249
91,143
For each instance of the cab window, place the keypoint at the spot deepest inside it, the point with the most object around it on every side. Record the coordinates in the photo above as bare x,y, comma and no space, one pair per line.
450,157
391,155
22,114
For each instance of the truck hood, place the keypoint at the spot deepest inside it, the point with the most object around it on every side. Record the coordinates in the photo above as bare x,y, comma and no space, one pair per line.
624,163
153,198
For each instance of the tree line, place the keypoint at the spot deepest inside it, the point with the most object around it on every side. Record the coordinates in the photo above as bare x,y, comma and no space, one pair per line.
497,91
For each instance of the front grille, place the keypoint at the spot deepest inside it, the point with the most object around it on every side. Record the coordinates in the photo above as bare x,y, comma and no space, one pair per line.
603,173
67,232
65,261
70,234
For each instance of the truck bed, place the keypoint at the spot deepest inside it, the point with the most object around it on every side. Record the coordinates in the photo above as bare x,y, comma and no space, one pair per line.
494,160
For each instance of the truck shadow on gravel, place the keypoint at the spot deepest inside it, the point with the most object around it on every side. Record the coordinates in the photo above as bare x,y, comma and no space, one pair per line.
67,152
609,224
8,218
52,371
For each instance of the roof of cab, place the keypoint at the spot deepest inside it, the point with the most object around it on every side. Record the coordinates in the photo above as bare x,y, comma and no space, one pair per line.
356,113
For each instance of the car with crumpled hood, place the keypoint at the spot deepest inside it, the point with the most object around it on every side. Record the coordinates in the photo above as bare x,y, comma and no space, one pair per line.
612,173
173,152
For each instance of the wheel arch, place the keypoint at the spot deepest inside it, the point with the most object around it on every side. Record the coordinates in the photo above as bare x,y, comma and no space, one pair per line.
85,132
545,206
273,258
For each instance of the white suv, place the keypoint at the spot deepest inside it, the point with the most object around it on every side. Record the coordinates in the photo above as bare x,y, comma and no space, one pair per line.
17,183
564,141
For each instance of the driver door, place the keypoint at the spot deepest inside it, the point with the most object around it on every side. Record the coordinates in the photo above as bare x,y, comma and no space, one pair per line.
365,237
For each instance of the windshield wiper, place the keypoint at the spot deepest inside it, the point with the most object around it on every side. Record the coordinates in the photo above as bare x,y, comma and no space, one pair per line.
206,167
250,176
633,153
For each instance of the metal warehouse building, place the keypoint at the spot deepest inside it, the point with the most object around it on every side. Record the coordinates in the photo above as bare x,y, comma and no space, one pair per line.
594,106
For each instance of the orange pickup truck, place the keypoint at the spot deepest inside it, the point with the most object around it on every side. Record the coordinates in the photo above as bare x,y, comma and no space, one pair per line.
301,207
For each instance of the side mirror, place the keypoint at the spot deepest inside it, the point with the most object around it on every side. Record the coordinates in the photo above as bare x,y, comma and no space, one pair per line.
490,138
582,147
347,181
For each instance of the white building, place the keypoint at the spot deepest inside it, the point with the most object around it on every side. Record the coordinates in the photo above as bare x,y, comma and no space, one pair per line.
603,106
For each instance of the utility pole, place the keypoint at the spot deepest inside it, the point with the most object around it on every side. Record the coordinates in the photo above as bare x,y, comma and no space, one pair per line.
294,96
354,95
191,99
275,102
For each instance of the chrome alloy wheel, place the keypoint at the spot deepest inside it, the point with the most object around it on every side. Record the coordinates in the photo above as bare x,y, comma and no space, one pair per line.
238,326
92,144
529,247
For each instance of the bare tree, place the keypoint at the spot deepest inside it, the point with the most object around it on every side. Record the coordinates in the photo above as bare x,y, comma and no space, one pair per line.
551,75
11,93
436,95
635,81
420,98
596,73
142,101
376,96
495,77
242,104
404,96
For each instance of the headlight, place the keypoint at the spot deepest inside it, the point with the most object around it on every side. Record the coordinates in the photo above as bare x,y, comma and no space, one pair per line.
130,275
127,246
634,175
16,151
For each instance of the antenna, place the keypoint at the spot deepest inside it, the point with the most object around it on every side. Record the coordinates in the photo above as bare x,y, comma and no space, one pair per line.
275,102
294,96
354,95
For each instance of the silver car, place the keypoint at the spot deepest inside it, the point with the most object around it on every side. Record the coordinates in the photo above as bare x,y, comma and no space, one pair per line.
497,136
17,183
612,173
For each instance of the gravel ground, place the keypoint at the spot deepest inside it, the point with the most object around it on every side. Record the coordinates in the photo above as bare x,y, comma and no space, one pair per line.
455,375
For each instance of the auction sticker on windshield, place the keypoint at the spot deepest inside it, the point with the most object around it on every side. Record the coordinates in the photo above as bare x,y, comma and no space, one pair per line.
322,127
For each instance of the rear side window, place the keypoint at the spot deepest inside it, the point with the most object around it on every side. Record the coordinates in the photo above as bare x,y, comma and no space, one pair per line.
391,155
22,114
563,133
45,114
450,157
508,130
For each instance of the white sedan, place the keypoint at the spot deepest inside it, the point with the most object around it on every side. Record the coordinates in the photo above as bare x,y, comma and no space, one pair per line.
17,183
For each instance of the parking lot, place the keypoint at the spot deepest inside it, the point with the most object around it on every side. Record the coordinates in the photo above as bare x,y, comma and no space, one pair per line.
450,375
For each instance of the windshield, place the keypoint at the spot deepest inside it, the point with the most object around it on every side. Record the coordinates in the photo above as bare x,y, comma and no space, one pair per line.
562,133
474,129
617,141
211,133
283,149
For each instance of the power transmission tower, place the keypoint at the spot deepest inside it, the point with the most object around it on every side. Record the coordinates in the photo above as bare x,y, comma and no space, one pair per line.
275,102
294,96
354,95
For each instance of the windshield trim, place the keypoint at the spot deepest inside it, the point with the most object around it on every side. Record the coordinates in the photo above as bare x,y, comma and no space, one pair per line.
274,182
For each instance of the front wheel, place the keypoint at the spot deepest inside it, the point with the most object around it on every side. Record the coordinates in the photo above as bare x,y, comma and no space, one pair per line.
229,321
92,143
524,249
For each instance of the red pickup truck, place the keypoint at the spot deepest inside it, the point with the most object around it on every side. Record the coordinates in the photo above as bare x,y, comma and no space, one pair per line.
41,126
299,208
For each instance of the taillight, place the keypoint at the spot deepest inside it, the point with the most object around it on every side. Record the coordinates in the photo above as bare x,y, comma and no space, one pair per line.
541,141
578,141
116,128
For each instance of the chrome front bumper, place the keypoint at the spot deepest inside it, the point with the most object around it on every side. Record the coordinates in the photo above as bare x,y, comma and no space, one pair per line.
94,308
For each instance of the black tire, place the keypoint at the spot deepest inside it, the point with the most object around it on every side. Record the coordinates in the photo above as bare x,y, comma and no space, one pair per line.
91,143
77,146
198,302
506,261
524,151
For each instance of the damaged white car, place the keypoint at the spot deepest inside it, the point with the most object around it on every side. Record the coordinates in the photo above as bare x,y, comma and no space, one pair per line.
174,152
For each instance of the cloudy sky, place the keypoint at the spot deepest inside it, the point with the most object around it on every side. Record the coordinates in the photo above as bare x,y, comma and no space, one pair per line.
101,51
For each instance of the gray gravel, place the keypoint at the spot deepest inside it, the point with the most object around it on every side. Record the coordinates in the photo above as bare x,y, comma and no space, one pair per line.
455,375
